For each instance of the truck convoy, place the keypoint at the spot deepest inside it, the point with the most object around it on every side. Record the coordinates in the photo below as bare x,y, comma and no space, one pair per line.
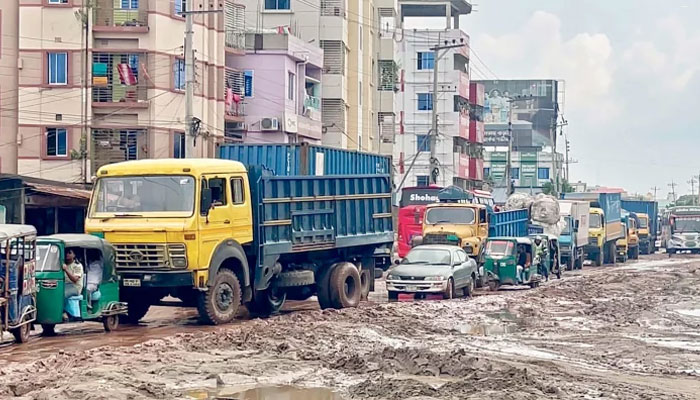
219,233
649,230
604,223
574,235
681,230
628,245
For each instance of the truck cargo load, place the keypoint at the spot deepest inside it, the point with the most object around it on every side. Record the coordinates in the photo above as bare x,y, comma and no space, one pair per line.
649,230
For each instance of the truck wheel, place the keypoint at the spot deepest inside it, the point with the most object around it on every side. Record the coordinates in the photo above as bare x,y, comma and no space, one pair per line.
21,334
219,304
599,258
299,293
48,329
323,284
635,253
110,323
267,302
570,264
295,278
364,284
135,311
345,287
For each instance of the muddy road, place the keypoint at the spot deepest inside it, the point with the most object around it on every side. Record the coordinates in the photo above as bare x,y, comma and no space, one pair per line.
625,332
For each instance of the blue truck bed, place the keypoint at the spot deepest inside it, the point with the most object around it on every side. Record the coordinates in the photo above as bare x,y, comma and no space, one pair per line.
651,208
509,223
609,202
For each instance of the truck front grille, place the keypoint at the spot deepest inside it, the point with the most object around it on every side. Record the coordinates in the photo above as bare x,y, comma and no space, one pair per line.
440,238
593,241
141,255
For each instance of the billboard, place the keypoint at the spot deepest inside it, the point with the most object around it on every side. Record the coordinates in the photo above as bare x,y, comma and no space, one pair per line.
531,106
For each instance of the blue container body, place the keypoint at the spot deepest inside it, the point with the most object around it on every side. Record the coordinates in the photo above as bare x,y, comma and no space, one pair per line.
513,223
306,213
305,159
651,208
611,203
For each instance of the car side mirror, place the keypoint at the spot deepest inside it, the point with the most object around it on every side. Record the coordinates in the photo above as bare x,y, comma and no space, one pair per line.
205,201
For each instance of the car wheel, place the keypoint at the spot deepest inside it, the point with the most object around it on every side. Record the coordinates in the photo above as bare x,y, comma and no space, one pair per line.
450,291
469,289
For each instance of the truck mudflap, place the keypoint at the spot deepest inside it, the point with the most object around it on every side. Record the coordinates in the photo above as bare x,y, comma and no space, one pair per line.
155,279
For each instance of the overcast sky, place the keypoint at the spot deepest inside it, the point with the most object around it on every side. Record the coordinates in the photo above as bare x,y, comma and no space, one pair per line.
632,72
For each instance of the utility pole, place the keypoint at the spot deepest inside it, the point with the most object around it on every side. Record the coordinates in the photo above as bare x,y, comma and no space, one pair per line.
191,127
566,151
83,15
439,52
655,189
692,182
673,185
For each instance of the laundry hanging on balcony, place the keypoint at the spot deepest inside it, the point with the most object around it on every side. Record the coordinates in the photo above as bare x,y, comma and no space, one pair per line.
232,100
126,74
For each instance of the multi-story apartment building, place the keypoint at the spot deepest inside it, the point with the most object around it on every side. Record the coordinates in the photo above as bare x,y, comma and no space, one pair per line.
419,64
387,120
103,81
344,29
282,87
9,43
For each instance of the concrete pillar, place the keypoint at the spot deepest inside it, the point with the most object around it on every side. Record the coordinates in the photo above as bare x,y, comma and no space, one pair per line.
448,16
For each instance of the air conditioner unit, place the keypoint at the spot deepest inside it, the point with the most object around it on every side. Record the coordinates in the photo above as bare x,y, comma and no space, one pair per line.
269,124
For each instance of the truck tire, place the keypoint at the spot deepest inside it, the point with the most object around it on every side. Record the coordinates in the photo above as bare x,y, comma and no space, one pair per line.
135,311
345,287
295,278
599,258
570,263
219,304
578,264
267,302
365,279
635,253
323,284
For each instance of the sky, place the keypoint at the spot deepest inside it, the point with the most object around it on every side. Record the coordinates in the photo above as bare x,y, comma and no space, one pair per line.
632,77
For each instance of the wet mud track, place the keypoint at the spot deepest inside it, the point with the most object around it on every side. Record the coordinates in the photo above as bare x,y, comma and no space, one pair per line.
625,332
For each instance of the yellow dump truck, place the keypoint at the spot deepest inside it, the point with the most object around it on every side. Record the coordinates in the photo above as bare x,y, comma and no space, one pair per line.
463,225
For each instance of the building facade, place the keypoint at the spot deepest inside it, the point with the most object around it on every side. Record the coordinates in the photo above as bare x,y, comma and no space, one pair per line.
387,118
9,75
103,81
282,89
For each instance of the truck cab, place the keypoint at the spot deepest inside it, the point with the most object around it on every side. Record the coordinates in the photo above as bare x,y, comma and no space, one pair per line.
644,233
596,235
464,225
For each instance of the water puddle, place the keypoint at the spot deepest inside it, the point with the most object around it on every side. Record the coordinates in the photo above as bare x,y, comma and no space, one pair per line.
689,313
486,329
265,393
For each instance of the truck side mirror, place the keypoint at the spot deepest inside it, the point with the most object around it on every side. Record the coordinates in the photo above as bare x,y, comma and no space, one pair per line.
205,201
576,225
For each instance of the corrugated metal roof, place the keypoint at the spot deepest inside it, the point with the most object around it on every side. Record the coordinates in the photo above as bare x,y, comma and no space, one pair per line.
60,191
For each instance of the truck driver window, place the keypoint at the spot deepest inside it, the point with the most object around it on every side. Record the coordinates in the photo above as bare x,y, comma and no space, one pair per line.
237,190
218,191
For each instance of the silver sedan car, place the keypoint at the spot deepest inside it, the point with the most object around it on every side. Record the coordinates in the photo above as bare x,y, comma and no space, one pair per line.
433,269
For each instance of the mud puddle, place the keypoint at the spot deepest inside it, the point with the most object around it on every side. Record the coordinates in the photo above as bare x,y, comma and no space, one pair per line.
265,393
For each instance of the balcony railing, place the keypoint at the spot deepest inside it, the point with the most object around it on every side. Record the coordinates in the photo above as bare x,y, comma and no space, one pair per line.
235,40
117,78
121,14
234,92
234,25
333,8
312,102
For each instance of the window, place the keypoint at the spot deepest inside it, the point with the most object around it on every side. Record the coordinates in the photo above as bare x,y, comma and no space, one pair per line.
426,60
422,180
179,145
461,256
248,83
58,68
179,74
56,142
58,1
515,173
180,6
218,191
423,143
130,4
542,173
487,172
425,101
291,79
237,191
277,4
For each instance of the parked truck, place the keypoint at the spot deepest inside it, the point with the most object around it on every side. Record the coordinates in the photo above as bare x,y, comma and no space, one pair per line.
681,230
649,229
628,245
217,234
604,225
574,236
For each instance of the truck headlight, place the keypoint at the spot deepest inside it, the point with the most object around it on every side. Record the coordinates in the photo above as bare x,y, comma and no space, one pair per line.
177,252
435,278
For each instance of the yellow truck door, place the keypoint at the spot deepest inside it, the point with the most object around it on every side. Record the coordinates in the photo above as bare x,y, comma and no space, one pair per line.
217,225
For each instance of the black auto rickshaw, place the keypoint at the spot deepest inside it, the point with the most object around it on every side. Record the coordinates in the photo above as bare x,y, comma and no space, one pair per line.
98,299
17,280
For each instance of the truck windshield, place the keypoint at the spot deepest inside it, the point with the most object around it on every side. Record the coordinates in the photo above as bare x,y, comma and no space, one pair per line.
643,223
48,258
567,227
499,248
595,221
134,196
691,224
452,215
428,256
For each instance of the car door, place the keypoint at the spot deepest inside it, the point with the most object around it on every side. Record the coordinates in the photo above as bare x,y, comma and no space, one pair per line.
471,267
459,271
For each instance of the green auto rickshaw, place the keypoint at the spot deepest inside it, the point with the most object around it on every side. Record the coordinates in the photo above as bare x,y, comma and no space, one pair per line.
509,261
99,298
550,258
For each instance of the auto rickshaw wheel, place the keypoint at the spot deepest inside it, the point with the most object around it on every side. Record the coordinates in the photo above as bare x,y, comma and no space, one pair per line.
21,333
110,322
493,285
48,329
534,284
450,291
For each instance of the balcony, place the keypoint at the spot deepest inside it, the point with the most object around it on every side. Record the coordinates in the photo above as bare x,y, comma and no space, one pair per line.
333,8
120,16
116,145
234,94
116,79
234,27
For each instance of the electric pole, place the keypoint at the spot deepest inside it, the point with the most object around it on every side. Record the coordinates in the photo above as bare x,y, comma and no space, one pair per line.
692,182
439,51
673,185
191,127
566,151
655,189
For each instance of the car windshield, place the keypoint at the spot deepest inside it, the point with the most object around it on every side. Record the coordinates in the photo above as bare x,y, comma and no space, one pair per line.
499,248
135,195
643,223
48,258
686,224
567,228
452,215
595,221
428,256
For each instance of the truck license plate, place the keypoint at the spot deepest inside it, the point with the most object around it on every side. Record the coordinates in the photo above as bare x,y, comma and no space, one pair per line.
132,282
